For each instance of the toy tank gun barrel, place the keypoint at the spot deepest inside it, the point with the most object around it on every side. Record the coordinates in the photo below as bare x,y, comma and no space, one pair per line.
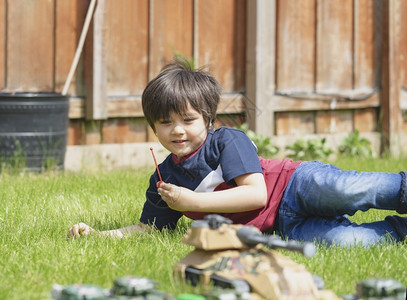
252,238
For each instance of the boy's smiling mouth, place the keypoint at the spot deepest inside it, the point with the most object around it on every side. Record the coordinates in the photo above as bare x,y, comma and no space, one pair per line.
179,141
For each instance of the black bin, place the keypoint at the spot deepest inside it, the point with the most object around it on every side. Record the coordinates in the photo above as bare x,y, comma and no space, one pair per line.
33,130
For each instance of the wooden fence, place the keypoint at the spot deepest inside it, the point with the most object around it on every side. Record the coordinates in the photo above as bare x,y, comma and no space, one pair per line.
289,68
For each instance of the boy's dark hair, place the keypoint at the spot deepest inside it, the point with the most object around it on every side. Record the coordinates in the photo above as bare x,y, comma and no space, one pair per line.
178,85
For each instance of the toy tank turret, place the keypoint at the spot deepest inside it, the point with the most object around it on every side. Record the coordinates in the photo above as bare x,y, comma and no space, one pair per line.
234,257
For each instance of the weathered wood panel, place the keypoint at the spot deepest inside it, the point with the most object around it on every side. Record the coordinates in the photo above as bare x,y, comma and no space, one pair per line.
391,124
75,132
124,131
403,45
295,123
403,71
364,46
171,32
334,121
70,16
403,63
131,106
95,66
126,26
30,45
219,39
2,43
261,65
296,46
365,120
229,120
316,102
334,46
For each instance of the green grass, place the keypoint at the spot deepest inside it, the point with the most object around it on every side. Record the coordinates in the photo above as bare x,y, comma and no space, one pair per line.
37,210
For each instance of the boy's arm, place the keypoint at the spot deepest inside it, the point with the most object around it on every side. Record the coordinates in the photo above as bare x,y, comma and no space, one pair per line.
82,229
249,194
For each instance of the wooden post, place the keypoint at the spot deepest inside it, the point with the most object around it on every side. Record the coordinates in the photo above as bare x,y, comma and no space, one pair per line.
2,44
95,67
260,65
391,84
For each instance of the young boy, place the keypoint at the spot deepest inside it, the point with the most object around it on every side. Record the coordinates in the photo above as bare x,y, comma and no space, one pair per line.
219,171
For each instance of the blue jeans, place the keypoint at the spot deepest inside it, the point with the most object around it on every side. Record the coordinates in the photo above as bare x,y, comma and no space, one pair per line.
319,197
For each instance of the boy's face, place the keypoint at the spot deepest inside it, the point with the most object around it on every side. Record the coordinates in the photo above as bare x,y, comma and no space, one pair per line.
182,134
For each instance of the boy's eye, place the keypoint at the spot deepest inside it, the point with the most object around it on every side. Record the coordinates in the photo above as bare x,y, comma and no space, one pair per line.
164,121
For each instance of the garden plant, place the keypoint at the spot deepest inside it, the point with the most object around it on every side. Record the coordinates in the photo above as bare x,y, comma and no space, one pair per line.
38,209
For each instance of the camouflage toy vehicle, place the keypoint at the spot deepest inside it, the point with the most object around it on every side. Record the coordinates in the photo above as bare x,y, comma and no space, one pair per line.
234,257
124,288
379,288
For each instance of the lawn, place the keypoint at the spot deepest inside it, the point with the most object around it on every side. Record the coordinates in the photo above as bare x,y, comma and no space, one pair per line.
38,209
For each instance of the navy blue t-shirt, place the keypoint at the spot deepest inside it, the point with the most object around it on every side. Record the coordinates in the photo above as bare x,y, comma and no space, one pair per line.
226,154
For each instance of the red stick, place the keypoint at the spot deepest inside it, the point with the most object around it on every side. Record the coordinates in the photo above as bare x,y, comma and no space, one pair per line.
156,166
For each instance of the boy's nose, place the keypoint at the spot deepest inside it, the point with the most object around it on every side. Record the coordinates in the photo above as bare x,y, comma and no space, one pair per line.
178,129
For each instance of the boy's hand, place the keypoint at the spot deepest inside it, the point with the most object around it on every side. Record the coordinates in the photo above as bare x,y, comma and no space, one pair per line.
78,230
175,196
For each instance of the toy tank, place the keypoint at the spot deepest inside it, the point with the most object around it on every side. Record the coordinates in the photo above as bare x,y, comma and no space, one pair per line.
233,256
124,288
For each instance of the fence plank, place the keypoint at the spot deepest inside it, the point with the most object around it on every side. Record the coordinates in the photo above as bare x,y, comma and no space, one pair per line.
2,44
171,32
334,45
364,47
70,16
126,26
292,104
338,121
391,84
95,72
218,36
365,120
296,45
295,123
130,106
403,45
124,131
30,57
260,68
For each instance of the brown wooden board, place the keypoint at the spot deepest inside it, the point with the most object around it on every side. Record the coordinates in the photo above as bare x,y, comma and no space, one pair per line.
322,102
328,122
92,132
365,120
70,16
75,132
229,120
295,123
123,131
295,45
131,106
30,45
403,45
334,45
2,43
391,121
364,45
126,49
95,64
218,38
171,32
240,41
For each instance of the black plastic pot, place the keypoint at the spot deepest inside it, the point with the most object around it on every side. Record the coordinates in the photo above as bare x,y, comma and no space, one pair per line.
33,130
